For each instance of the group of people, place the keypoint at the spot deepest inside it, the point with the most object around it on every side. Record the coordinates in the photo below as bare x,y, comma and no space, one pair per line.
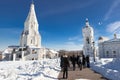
80,60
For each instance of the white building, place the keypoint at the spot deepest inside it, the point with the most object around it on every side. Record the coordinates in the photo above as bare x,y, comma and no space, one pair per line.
30,42
109,48
88,37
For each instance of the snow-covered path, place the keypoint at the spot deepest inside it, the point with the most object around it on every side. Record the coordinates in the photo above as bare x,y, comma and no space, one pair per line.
84,74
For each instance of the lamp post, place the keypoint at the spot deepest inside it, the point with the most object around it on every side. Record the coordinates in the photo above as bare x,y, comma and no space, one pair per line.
93,51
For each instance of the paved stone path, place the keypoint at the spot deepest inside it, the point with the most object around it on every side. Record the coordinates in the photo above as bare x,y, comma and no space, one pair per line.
84,74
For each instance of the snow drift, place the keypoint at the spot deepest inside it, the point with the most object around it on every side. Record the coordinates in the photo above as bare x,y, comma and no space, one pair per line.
47,69
110,68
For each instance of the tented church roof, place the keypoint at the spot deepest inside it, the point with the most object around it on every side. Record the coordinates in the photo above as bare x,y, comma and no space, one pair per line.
31,15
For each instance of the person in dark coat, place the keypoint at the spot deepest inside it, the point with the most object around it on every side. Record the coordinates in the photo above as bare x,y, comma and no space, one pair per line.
71,58
80,62
88,61
73,61
83,61
61,61
65,66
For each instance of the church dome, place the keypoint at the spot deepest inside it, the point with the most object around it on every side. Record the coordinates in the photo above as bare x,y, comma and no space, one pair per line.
100,38
103,38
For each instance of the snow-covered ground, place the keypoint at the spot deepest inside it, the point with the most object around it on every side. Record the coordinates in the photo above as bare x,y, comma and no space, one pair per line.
46,69
110,68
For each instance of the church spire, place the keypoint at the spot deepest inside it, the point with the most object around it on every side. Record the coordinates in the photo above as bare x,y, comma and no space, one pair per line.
87,22
31,35
32,2
31,18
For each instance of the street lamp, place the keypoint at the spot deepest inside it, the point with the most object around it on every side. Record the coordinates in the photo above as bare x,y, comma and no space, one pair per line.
93,51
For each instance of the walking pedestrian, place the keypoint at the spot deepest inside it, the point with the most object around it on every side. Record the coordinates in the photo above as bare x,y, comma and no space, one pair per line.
73,61
61,61
80,62
65,66
83,61
88,61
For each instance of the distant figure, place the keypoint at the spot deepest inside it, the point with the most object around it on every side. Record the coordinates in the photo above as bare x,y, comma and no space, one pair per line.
83,61
73,61
80,62
65,66
77,60
61,61
88,61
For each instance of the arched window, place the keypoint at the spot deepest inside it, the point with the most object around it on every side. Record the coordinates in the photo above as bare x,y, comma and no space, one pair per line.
114,54
32,26
31,41
107,53
47,55
88,40
32,58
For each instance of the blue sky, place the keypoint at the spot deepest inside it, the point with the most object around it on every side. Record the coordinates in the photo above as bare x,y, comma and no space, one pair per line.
60,21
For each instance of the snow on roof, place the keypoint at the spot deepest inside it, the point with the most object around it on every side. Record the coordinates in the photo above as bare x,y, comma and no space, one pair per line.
106,39
34,47
8,50
13,46
53,51
113,40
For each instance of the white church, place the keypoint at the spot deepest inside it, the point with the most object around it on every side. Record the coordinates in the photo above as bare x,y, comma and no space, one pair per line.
30,42
107,48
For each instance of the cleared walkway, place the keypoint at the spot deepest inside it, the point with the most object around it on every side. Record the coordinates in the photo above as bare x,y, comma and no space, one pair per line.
84,74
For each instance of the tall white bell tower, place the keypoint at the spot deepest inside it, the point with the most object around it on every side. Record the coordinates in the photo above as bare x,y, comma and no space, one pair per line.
88,37
30,35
